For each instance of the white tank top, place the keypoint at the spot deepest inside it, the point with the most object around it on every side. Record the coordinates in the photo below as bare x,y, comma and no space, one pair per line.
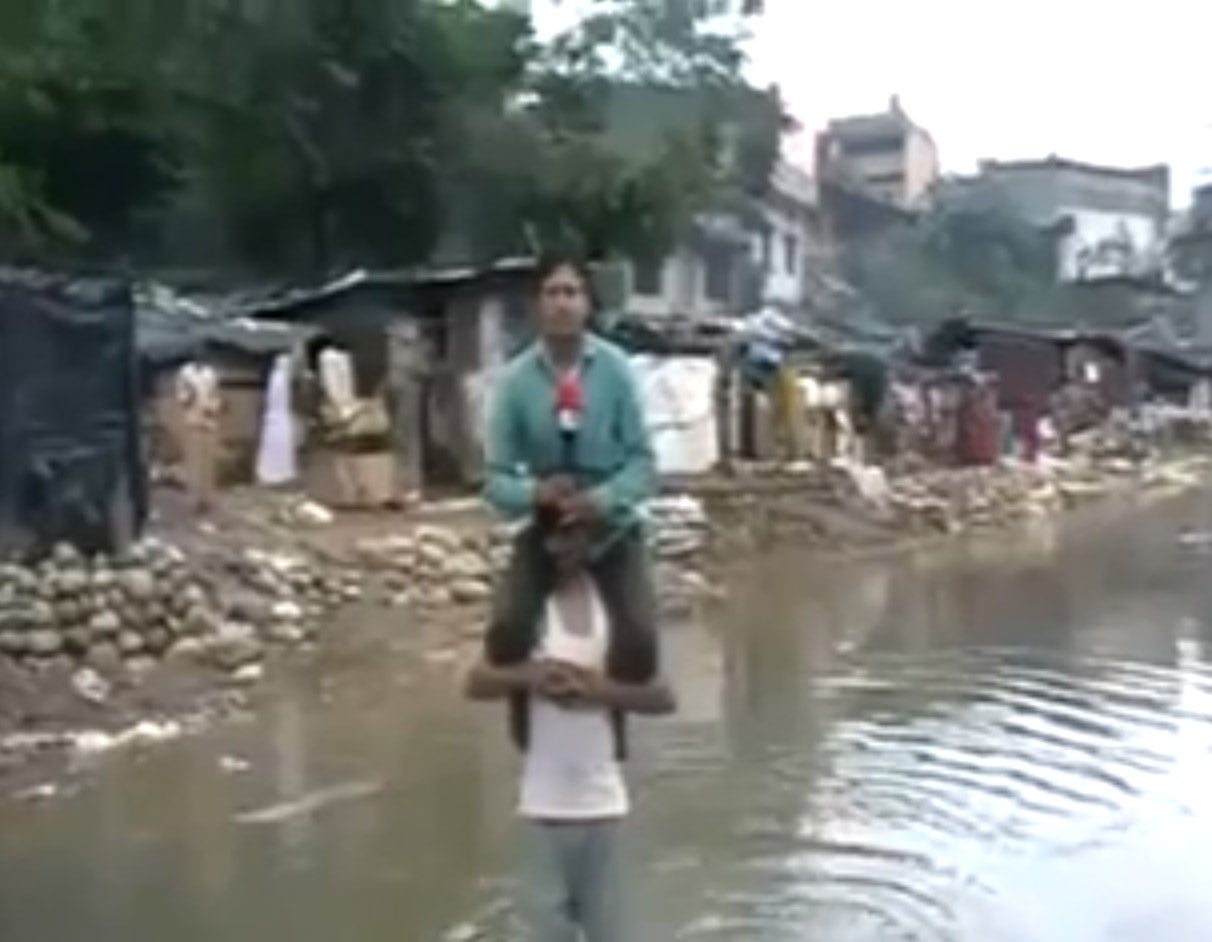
571,772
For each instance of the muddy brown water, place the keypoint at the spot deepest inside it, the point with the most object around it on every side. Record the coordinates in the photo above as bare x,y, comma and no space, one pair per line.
1009,741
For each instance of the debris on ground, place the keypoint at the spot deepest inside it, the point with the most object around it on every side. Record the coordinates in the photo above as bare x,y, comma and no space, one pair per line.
90,637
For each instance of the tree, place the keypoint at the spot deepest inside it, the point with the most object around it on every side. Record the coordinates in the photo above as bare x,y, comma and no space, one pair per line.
957,259
83,153
629,124
297,137
325,125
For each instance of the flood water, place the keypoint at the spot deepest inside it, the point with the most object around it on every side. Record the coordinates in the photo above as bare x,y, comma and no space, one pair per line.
1003,742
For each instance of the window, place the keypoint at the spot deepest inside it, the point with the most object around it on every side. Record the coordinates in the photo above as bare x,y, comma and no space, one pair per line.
719,277
791,254
870,146
647,277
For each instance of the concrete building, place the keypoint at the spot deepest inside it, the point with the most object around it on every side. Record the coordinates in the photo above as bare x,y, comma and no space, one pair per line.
884,154
709,274
787,238
1108,221
729,265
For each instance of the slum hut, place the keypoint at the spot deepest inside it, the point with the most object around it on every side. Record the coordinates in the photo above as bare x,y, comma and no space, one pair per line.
426,346
1171,376
172,330
71,458
1030,364
1167,366
1025,366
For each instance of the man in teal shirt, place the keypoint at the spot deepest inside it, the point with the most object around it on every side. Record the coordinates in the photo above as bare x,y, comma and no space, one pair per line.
592,469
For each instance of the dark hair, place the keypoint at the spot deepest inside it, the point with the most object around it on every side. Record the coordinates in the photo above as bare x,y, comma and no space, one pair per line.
633,648
551,262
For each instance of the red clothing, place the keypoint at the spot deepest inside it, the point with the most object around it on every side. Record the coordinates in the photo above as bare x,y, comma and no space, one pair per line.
1026,420
978,428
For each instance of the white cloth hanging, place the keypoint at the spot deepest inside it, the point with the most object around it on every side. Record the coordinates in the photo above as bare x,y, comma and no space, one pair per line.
337,381
276,459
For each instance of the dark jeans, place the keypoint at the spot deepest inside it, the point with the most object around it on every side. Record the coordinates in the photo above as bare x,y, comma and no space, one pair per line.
623,576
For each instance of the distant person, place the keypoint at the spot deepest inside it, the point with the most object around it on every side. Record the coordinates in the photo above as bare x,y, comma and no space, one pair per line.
766,341
201,404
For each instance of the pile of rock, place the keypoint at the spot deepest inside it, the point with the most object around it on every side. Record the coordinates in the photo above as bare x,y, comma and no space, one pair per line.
153,603
950,501
434,567
286,594
679,528
102,611
679,534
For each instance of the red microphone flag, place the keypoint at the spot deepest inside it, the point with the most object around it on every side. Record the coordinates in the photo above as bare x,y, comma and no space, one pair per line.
570,401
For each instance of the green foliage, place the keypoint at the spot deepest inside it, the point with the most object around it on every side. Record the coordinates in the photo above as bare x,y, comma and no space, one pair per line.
957,259
82,150
302,136
632,122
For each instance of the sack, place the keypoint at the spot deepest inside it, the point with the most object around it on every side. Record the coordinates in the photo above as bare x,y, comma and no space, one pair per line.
367,419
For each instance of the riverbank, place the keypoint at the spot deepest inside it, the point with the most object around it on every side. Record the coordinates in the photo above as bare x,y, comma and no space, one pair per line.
100,653
956,720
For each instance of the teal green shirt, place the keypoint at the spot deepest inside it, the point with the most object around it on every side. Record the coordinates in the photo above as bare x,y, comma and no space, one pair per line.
613,455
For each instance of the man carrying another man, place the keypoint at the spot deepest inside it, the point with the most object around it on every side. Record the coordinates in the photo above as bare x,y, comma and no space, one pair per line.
573,636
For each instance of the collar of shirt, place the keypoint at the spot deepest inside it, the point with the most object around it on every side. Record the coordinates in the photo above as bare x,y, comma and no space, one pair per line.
589,352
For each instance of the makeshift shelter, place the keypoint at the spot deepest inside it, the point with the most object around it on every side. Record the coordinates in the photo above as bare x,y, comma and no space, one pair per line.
430,344
71,465
171,330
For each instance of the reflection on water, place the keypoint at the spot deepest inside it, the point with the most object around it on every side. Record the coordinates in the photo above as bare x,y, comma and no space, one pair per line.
1007,742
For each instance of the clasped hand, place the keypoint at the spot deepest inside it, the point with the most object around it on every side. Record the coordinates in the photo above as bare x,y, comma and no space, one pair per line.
561,494
566,685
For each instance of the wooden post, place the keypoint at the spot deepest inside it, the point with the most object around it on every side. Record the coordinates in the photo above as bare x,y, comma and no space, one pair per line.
725,405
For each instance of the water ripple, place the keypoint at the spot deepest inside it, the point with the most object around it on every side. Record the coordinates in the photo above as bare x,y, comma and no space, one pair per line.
935,773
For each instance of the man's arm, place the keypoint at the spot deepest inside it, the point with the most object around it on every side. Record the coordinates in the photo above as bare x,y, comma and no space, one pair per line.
487,681
510,487
635,481
549,679
654,698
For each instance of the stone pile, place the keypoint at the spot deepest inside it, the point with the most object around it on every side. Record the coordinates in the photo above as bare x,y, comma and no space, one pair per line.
679,534
104,612
949,501
1111,442
679,528
435,568
127,613
975,498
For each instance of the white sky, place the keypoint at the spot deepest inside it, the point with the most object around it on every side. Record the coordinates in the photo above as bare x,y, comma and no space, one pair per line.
1119,82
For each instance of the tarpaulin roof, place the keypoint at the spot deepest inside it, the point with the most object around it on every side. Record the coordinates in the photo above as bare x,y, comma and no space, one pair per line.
292,302
171,328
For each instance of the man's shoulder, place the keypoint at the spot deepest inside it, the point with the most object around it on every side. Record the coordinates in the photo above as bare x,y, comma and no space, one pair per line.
521,364
611,354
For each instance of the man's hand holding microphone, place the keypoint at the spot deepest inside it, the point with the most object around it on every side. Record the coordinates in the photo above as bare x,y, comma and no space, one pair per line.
559,493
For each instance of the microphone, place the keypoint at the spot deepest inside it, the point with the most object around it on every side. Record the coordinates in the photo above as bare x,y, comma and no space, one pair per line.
569,404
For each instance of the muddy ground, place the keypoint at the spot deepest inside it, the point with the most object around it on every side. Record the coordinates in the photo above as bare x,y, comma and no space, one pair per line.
830,512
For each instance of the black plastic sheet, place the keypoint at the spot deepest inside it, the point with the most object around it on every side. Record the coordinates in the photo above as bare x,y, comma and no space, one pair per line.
71,460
